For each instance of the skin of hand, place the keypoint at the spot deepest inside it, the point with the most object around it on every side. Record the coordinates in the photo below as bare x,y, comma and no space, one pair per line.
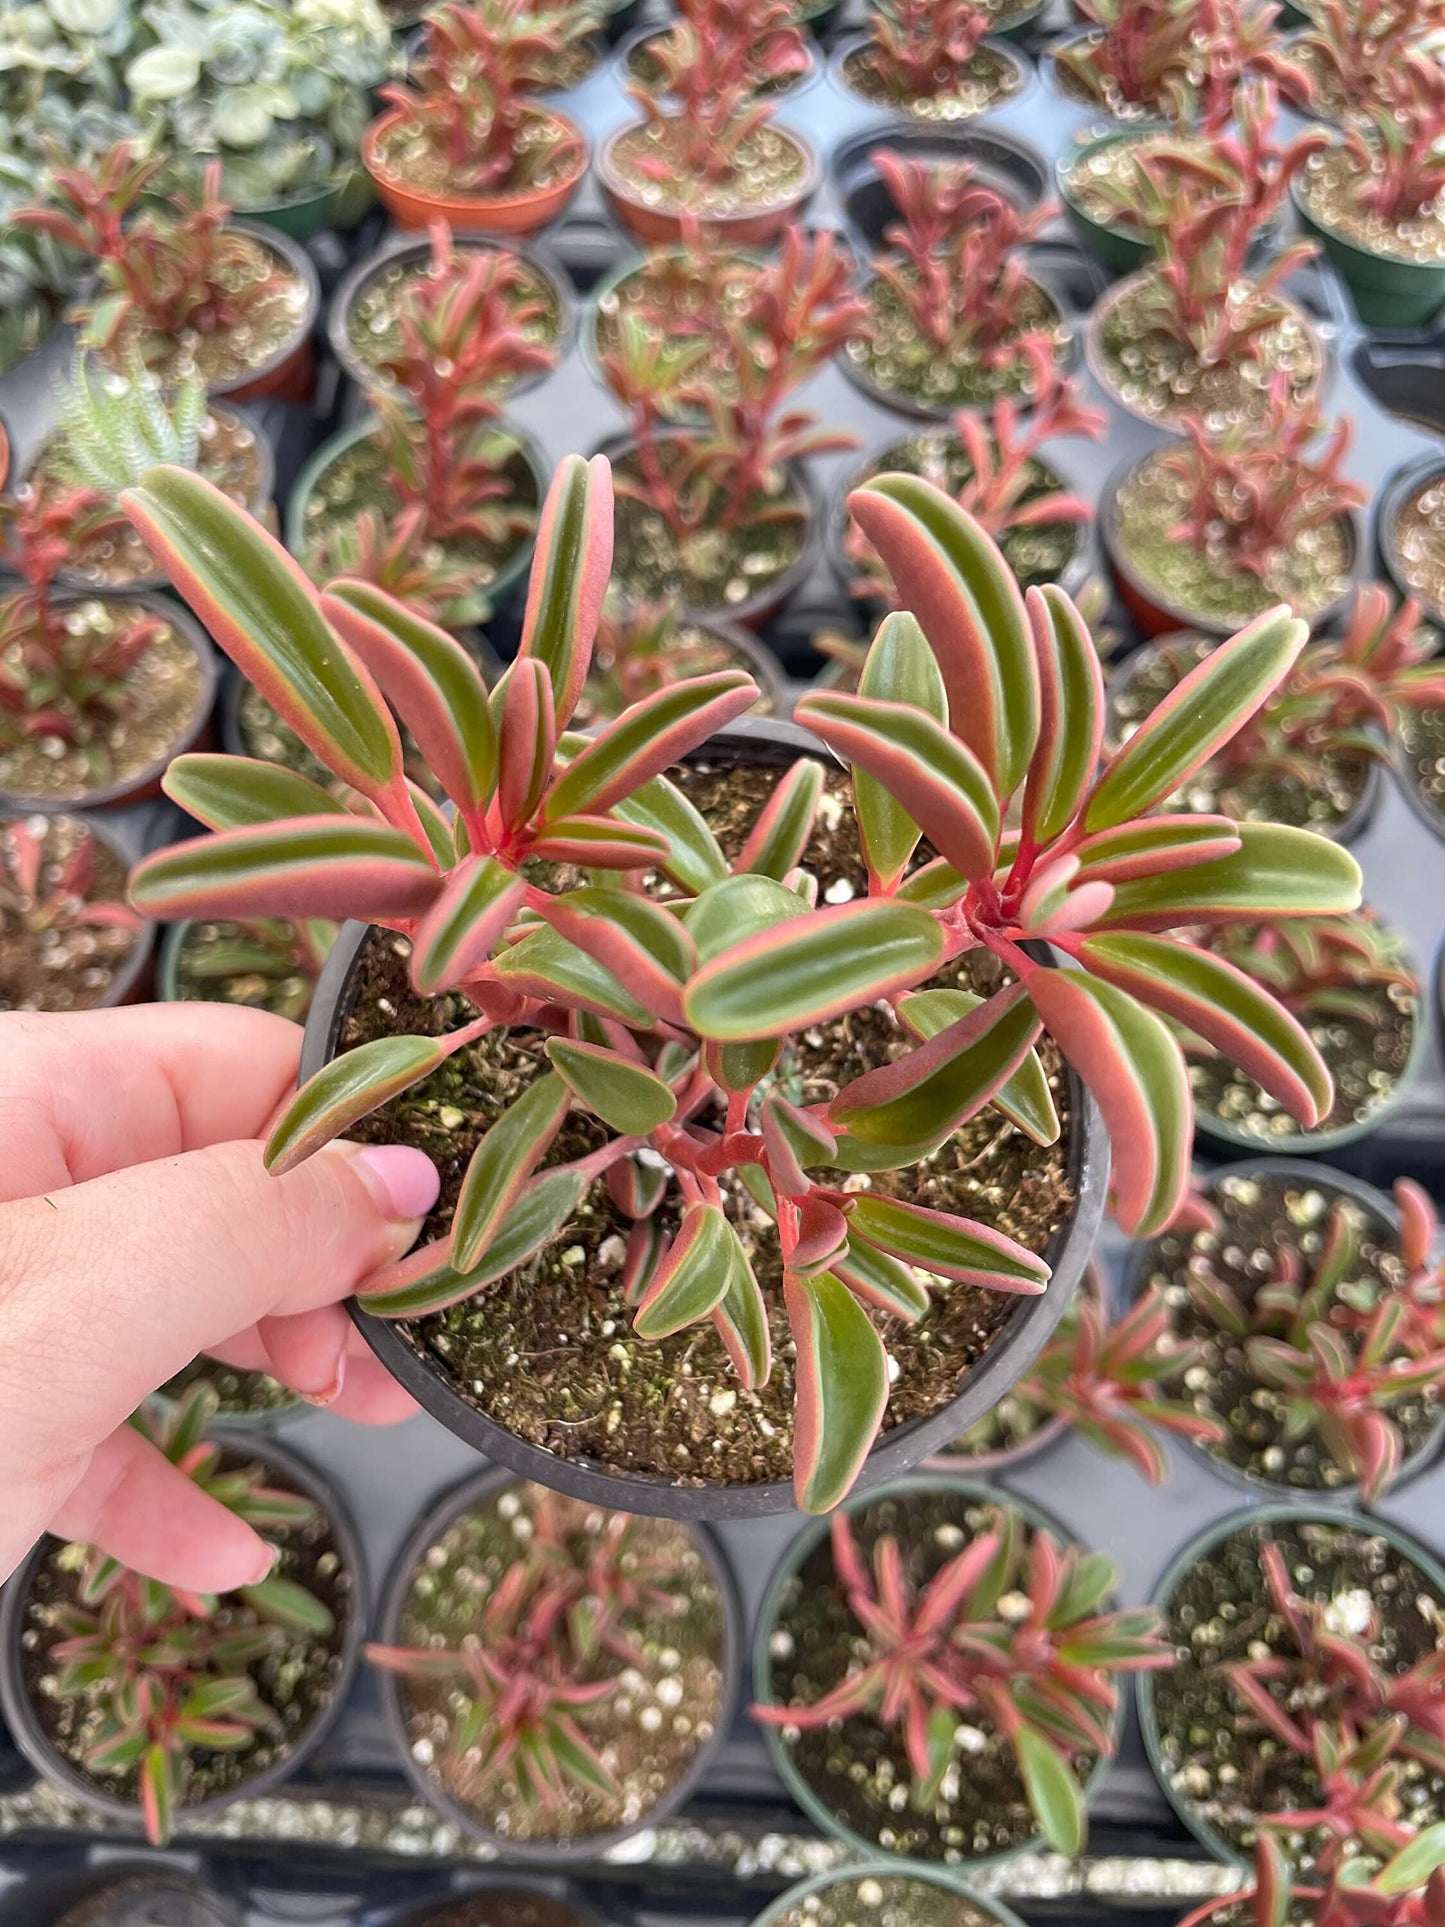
138,1228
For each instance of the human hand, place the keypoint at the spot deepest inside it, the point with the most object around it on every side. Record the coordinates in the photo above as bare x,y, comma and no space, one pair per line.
138,1228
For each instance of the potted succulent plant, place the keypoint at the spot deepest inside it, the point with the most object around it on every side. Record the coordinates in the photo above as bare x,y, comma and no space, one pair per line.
1306,1686
143,1701
932,60
722,516
472,956
1313,1307
991,466
707,148
1352,52
1204,533
189,289
637,61
1179,60
1313,754
888,1890
645,647
1010,166
96,693
556,1675
431,497
940,1638
68,939
1408,1890
955,318
265,963
467,140
1196,333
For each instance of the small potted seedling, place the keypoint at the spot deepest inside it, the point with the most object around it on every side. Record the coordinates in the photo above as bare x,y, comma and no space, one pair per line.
186,288
1349,982
1306,1690
466,139
556,1675
722,516
931,59
1204,533
791,1173
364,323
644,647
1313,754
991,466
1408,1890
1196,332
265,963
955,318
886,1891
939,1639
1176,60
1316,1313
97,692
149,1703
707,148
68,939
431,497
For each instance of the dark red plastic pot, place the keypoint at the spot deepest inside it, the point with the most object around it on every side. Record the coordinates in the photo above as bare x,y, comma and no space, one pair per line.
747,227
413,209
290,373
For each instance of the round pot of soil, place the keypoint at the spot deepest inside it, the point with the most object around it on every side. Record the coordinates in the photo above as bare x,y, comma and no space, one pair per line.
1168,584
414,182
115,1894
1340,798
647,1642
67,940
1011,168
635,61
1220,1765
1157,379
777,175
647,285
661,1427
1101,230
362,323
347,475
302,1678
1287,1225
169,692
1410,534
847,1773
998,75
1395,271
266,965
242,1398
741,581
885,1893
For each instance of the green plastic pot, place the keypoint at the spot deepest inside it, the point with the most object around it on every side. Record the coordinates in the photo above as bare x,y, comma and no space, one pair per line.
1120,251
340,204
875,1869
1387,293
1021,25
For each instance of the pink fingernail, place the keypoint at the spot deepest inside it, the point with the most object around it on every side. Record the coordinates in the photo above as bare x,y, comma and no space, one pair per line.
328,1393
403,1182
267,1567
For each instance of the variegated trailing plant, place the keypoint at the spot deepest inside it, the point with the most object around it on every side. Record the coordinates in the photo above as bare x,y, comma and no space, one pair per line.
1408,1890
978,727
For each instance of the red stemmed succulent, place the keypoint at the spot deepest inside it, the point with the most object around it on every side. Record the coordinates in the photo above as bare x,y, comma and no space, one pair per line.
1353,53
949,1653
46,900
923,48
1407,1891
1180,58
1398,146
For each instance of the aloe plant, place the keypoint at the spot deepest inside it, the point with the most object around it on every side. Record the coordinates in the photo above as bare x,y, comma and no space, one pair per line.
978,727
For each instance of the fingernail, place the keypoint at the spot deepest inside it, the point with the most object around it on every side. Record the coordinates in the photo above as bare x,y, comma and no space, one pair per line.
328,1393
402,1182
267,1566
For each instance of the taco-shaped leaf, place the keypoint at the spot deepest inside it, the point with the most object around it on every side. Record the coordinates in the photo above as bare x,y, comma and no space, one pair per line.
526,732
949,1247
884,1282
501,1164
425,1280
740,1318
1196,718
704,1261
793,1139
571,563
598,843
636,1188
232,792
955,580
432,683
647,738
777,840
1154,846
260,607
900,668
638,942
1025,1098
1223,1006
626,1096
737,1068
465,924
1071,714
311,866
543,964
813,968
1275,872
350,1087
842,1387
937,780
694,859
738,907
435,827
1131,1062
822,1234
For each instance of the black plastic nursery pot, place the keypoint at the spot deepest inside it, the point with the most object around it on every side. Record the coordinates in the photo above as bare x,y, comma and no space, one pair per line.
949,1491
1388,291
1208,1551
1014,1346
1000,161
1012,68
29,1732
478,1491
1397,501
905,1884
1305,1173
118,1893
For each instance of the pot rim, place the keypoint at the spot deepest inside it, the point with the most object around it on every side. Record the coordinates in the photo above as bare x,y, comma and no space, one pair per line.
1401,483
1089,142
1015,1345
535,253
470,1493
925,1479
303,267
369,160
1190,1554
716,225
107,795
1012,56
930,1873
1328,231
59,1773
851,153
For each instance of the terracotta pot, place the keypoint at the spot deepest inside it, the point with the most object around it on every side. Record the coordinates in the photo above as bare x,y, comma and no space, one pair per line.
412,209
745,227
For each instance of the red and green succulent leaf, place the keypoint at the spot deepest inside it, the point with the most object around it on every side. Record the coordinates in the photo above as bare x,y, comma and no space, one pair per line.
426,1280
1071,715
508,1154
777,840
347,1089
1024,1096
950,1247
900,668
572,562
1277,871
704,1264
462,927
629,1097
308,866
236,792
647,739
842,1386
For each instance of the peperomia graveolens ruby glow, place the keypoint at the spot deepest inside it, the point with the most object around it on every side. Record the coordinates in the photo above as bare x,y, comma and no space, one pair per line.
978,727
